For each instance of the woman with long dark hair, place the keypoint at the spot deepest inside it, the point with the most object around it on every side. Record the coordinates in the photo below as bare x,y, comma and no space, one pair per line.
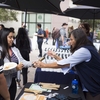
11,54
86,61
23,43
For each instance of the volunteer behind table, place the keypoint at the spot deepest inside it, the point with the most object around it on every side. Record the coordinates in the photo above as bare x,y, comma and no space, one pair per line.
86,60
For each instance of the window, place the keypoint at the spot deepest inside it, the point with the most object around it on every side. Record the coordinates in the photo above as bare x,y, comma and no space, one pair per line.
33,19
40,17
48,26
47,18
32,30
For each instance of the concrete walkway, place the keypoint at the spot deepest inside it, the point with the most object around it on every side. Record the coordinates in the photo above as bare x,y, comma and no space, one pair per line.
34,57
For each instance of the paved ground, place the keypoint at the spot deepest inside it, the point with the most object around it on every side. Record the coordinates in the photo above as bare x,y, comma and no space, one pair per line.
34,57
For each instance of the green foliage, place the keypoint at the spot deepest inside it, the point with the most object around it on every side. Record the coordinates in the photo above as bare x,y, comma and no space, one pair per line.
98,37
7,15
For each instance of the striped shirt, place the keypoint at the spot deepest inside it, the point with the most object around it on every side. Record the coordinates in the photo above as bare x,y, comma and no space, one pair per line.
13,58
1,63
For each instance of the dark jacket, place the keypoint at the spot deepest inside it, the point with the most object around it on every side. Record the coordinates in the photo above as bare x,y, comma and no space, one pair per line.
89,72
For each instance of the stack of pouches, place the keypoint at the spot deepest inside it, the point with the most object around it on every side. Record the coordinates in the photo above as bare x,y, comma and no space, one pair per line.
34,91
51,86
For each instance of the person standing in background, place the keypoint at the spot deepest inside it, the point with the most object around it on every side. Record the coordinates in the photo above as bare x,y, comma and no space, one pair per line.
13,31
24,26
23,43
63,36
70,29
40,36
2,26
47,35
53,30
86,27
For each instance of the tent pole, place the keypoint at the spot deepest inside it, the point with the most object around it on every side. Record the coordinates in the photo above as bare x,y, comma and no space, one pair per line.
25,16
93,22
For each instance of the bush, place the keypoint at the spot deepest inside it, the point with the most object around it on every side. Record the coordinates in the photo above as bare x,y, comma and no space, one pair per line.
98,37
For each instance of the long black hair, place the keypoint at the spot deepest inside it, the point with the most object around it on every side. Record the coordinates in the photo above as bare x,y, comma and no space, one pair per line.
80,38
22,39
4,43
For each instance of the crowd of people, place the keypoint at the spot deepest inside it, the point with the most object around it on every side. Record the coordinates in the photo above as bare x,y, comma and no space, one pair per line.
85,58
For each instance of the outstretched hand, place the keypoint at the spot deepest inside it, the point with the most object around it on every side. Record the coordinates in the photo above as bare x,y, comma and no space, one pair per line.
38,64
69,43
19,66
51,53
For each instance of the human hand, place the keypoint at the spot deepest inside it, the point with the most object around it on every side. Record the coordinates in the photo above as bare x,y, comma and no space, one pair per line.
69,43
51,53
19,66
39,64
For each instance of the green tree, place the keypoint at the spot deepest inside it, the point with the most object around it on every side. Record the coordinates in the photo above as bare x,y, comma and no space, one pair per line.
8,15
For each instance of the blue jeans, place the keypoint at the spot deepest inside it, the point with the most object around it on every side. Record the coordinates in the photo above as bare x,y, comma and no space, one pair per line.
46,40
40,47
